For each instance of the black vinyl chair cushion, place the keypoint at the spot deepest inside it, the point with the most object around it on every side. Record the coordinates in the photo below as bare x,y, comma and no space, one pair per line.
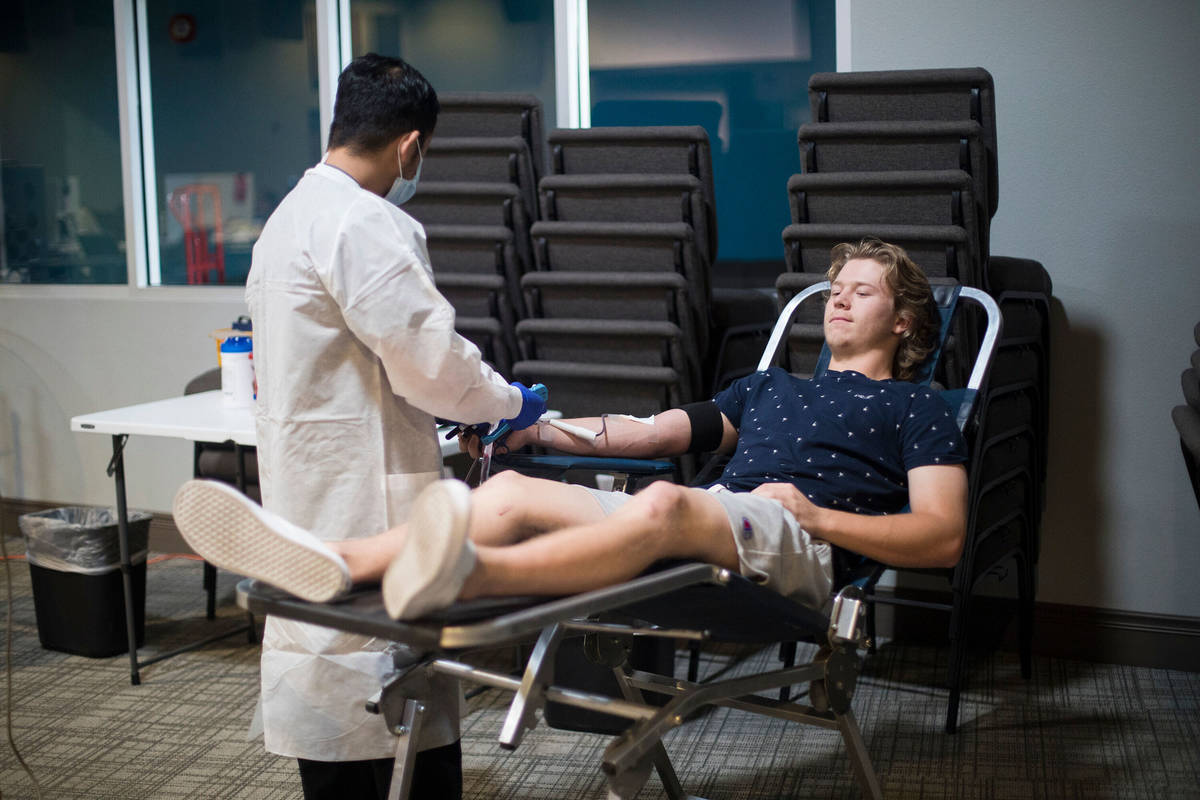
1008,274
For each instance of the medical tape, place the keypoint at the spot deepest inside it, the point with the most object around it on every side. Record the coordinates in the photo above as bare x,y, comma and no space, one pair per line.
643,420
574,430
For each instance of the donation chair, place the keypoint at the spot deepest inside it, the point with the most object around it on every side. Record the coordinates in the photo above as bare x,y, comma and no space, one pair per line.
682,601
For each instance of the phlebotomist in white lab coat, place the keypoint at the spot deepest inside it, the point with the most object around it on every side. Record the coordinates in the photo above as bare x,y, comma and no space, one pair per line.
355,353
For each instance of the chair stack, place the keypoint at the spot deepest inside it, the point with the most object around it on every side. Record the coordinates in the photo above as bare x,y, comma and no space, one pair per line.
909,153
477,200
619,300
909,156
1187,417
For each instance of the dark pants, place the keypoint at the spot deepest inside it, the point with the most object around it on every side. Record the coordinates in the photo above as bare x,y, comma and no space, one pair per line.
436,776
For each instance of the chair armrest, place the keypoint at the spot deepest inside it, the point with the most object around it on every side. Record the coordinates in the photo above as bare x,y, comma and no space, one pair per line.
633,467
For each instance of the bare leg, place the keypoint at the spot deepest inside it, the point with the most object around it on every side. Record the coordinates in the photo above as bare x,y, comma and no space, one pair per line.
506,509
662,521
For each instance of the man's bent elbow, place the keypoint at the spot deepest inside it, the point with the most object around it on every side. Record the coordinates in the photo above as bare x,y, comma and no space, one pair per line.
951,549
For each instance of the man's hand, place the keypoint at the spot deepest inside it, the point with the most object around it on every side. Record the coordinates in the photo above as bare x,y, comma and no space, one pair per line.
468,441
792,499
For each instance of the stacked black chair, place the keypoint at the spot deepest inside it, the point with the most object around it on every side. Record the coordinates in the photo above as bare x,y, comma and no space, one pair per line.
931,213
909,156
1187,417
495,114
904,122
477,200
947,95
619,302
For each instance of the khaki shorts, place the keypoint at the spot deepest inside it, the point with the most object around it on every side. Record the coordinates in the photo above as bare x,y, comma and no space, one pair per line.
773,549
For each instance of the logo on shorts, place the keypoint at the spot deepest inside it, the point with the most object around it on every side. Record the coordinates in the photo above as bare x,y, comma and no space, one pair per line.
747,529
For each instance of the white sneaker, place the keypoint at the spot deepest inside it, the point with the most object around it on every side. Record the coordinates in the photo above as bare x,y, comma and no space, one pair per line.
437,557
231,531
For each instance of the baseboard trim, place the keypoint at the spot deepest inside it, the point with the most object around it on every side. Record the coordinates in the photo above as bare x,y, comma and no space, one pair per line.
1111,636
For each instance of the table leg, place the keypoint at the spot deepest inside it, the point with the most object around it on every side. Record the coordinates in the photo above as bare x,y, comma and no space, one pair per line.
240,465
210,588
117,468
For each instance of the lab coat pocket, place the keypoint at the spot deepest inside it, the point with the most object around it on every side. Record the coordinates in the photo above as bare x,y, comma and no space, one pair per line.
401,489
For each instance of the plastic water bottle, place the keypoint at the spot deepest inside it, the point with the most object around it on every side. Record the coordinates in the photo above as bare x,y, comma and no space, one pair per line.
237,372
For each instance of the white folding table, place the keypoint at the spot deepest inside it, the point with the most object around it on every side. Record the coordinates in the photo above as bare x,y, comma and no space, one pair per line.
200,417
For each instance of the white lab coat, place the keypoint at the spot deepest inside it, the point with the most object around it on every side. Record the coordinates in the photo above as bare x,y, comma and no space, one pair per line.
355,352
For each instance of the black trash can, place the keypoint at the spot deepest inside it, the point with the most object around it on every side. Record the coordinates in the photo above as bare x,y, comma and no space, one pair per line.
74,558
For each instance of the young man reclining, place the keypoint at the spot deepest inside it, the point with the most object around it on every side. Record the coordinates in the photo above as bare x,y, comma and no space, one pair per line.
816,464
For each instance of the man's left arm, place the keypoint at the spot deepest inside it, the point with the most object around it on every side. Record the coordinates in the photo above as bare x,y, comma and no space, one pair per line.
931,534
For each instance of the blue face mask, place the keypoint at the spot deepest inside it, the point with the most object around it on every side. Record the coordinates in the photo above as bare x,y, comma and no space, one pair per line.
404,188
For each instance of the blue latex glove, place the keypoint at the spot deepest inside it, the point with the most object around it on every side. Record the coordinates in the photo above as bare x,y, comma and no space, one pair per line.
533,405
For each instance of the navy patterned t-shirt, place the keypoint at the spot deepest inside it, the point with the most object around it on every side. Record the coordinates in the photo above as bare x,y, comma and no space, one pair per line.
844,440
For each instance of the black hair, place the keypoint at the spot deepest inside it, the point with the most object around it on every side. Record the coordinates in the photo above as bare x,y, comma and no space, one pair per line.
378,99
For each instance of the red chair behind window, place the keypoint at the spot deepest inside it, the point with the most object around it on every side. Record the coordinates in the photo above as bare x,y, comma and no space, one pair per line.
188,205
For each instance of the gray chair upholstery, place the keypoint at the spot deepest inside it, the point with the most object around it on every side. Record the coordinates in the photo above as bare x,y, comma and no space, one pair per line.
477,268
601,247
882,146
618,298
922,197
468,203
942,251
920,94
583,389
653,189
495,114
657,150
630,198
483,160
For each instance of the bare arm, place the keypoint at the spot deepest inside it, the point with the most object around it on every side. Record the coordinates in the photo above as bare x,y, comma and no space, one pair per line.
670,434
931,535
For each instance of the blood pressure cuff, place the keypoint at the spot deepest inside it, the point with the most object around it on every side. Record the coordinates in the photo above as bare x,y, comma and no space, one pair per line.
707,428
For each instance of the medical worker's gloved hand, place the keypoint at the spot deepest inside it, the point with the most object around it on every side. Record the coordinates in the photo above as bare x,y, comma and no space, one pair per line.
533,405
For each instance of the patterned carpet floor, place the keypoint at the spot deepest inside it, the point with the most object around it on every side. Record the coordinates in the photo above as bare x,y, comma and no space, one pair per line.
1076,730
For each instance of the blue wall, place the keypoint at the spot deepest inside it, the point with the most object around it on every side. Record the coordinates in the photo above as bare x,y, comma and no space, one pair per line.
752,127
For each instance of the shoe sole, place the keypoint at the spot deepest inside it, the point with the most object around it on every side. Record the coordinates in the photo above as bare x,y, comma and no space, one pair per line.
224,527
445,505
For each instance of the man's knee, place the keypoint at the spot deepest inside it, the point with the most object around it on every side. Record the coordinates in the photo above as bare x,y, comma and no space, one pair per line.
687,523
508,482
661,502
503,491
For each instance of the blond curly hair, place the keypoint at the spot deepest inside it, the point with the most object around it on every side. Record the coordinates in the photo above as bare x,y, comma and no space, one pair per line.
911,298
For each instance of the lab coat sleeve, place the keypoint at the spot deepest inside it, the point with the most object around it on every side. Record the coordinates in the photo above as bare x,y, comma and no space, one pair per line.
380,279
